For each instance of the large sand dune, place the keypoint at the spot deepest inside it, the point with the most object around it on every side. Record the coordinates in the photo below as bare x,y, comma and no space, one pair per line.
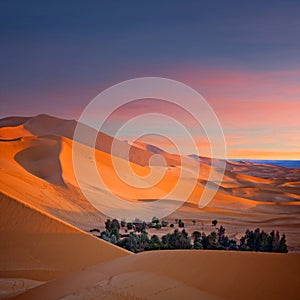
181,274
37,244
45,216
39,247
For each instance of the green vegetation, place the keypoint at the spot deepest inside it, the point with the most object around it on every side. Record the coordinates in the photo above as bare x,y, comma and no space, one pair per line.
111,233
129,226
155,220
164,223
261,241
138,240
180,223
157,226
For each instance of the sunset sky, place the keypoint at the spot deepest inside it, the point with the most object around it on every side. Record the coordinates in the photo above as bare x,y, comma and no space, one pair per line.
243,58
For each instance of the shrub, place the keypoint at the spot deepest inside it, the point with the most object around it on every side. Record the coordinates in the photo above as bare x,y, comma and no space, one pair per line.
149,224
180,223
158,226
232,245
196,235
282,245
176,240
223,240
204,241
110,225
140,226
164,223
166,242
154,243
115,224
111,233
198,245
129,226
105,235
212,241
155,220
129,243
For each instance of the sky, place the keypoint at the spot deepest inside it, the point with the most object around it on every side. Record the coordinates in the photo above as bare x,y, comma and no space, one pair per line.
243,58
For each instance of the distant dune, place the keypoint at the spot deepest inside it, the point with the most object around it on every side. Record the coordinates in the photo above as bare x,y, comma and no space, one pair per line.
280,163
45,218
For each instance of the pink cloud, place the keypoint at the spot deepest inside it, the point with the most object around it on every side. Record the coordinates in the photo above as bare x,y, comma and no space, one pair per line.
258,110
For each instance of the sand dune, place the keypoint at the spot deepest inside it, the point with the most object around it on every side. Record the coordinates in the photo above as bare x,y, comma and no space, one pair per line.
47,125
56,199
13,121
46,163
37,246
191,274
13,133
43,213
42,159
10,287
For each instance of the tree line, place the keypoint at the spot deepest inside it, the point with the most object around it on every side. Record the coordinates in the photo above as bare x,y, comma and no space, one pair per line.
138,240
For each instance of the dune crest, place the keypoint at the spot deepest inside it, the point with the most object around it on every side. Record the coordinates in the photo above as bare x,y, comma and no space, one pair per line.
42,159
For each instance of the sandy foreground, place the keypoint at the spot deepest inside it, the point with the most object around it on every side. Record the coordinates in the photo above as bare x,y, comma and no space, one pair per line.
179,274
45,247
